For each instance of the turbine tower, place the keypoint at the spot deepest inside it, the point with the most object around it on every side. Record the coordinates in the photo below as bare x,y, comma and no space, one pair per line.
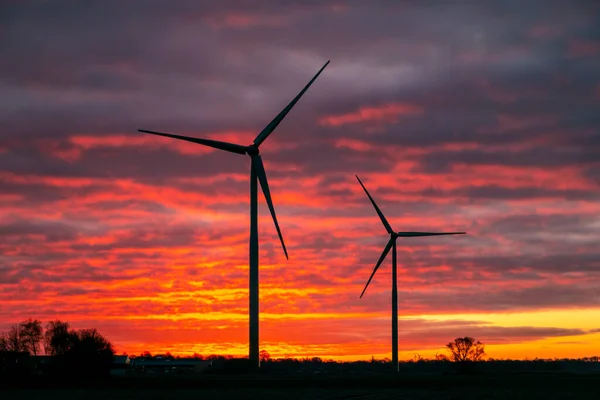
257,173
391,244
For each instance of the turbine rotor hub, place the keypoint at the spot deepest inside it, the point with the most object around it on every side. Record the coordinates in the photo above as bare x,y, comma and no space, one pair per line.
395,235
252,150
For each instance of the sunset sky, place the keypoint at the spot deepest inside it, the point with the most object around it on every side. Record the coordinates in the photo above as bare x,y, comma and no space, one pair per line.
478,116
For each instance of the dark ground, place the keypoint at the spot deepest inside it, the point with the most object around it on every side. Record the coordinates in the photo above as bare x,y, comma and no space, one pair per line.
512,387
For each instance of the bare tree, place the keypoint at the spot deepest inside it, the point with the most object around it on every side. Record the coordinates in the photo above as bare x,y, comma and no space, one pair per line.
31,335
264,356
13,340
466,349
3,342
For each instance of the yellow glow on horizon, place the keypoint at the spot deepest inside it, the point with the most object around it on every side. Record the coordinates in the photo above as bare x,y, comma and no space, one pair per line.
575,346
567,319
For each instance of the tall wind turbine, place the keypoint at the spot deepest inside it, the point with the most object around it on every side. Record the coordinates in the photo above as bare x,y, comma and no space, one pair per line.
391,244
257,172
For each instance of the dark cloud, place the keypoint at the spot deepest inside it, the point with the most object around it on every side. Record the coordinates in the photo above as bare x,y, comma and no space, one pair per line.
498,192
527,224
52,231
501,300
536,157
495,334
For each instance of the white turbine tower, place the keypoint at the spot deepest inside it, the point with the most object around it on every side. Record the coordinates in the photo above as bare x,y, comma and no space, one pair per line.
391,244
257,173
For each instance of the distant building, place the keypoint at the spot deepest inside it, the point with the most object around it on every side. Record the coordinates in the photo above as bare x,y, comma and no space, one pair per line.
121,361
120,365
164,365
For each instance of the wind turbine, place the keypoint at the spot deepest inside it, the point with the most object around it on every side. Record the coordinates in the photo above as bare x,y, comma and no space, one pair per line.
257,172
391,244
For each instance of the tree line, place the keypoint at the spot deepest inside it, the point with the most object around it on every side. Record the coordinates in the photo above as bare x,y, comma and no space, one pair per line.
58,339
76,351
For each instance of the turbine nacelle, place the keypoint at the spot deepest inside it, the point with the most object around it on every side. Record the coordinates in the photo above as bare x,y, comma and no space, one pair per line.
252,150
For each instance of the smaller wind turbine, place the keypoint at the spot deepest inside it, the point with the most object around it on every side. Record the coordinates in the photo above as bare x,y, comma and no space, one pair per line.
391,244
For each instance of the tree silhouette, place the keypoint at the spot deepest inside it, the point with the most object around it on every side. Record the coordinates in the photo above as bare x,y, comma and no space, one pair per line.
31,335
264,356
88,353
13,340
23,337
81,353
146,354
57,338
466,349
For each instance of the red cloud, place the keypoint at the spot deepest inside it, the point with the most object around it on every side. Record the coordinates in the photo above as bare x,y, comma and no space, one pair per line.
387,113
247,20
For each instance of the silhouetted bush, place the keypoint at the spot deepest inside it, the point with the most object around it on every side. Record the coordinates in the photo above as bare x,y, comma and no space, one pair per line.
89,354
466,349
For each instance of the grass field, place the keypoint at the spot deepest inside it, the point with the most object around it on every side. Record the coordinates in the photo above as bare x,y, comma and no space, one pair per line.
512,387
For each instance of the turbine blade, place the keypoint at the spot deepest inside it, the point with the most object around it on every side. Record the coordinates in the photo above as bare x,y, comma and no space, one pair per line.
233,148
417,234
387,226
273,124
388,246
262,178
